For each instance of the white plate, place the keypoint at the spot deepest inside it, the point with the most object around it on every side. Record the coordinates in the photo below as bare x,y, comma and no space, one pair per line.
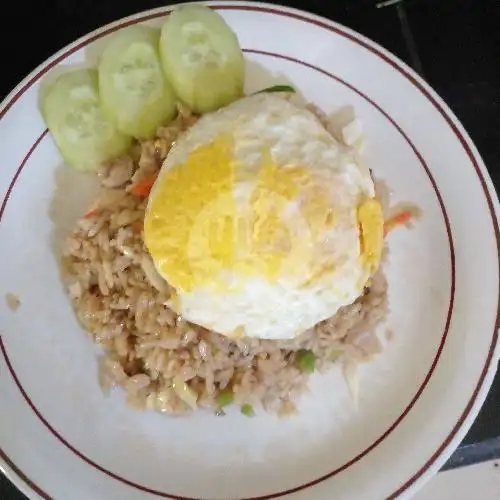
61,438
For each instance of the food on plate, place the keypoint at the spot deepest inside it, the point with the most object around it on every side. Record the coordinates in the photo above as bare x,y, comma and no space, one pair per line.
13,302
247,410
234,253
277,88
118,288
402,218
93,115
134,91
73,113
202,58
262,222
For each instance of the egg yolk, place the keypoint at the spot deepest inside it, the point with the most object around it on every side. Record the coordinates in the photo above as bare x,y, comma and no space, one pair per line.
189,226
196,230
371,222
201,235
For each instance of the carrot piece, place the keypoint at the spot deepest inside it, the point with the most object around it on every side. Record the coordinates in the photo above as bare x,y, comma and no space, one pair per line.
403,218
398,220
144,186
94,212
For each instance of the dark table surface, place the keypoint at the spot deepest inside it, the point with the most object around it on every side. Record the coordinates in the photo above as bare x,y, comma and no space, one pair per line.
453,44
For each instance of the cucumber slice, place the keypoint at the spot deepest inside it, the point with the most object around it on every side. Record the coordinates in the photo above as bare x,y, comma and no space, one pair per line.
277,88
134,91
202,58
73,114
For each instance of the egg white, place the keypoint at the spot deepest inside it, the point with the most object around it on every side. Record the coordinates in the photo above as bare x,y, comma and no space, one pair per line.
287,306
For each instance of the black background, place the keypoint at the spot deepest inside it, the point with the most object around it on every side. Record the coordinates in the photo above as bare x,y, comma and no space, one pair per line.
453,44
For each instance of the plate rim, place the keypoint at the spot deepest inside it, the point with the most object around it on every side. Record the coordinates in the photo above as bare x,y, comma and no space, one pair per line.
436,358
479,394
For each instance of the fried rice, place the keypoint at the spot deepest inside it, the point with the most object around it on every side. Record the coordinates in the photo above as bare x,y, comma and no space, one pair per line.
163,362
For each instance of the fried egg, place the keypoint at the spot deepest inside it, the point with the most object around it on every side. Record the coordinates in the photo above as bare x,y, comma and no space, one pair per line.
262,222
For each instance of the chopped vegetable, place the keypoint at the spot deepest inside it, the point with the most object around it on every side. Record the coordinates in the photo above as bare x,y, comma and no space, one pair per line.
277,88
13,301
225,398
185,392
134,91
306,361
352,132
247,410
144,186
92,213
202,58
82,131
398,220
288,408
335,354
